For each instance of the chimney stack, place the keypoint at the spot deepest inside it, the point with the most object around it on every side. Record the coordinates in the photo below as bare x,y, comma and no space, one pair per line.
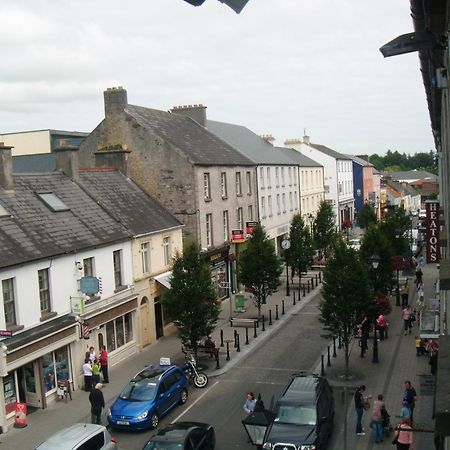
306,139
6,167
115,99
268,138
67,159
294,141
195,112
115,156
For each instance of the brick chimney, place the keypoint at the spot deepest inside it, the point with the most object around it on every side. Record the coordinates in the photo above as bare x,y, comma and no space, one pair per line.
195,112
67,159
115,99
6,167
115,156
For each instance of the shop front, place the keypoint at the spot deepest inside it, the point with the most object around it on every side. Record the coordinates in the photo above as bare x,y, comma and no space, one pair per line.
218,262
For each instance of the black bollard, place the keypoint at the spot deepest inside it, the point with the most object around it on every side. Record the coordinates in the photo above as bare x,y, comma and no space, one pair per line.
320,277
294,299
339,341
276,312
235,338
228,351
308,286
334,348
304,292
328,357
216,354
270,317
246,335
317,281
238,349
282,307
263,323
322,367
221,338
254,329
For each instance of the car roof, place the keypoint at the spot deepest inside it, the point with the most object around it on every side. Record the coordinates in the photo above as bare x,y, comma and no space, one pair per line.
303,389
69,437
153,371
177,431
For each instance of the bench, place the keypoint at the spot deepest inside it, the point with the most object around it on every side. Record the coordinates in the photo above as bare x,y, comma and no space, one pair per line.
242,322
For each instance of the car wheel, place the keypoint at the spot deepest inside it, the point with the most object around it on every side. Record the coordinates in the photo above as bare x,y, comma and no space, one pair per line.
183,397
154,421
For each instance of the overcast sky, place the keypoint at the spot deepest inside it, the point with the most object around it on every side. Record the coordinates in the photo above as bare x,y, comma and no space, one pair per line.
279,67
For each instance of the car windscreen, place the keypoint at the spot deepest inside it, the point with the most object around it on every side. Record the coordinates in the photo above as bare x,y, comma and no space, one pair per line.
296,414
163,446
139,391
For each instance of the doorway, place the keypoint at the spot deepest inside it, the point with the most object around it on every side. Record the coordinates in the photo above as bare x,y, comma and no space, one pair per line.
29,385
143,314
159,324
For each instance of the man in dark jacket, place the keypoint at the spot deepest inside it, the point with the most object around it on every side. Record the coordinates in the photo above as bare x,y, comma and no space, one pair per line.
97,403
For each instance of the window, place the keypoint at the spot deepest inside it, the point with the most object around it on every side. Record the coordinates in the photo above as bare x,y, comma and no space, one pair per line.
55,366
223,184
269,183
290,175
206,187
225,225
291,204
9,301
145,257
249,183
282,176
296,200
283,198
277,176
263,207
250,212
52,201
240,219
117,263
269,204
278,204
261,177
209,235
44,290
167,250
238,184
119,332
88,267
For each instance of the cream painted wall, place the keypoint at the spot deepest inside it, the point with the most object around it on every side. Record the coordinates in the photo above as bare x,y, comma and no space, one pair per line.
28,143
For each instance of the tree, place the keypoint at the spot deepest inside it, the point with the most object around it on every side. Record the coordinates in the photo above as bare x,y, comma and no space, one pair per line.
324,228
345,296
300,254
259,268
191,301
367,215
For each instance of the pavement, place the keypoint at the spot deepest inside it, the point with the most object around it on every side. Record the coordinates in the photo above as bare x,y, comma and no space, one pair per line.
397,364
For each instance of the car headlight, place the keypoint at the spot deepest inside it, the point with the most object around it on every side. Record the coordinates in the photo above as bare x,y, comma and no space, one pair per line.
109,412
142,416
307,447
267,446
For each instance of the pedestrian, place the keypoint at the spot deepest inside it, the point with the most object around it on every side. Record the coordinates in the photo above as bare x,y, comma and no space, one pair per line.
381,326
421,261
405,294
419,276
104,364
359,407
95,371
420,293
405,412
377,419
250,403
433,362
410,397
92,354
406,316
97,403
403,435
364,329
87,372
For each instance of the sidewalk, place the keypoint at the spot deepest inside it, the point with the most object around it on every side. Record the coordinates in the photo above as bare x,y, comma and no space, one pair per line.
398,363
43,423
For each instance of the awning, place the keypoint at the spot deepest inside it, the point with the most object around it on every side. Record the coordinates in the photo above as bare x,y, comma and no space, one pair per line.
164,279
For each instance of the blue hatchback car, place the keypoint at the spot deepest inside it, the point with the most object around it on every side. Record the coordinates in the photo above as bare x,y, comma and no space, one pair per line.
151,394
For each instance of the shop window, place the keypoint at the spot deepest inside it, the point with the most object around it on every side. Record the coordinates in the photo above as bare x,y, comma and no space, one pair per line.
128,328
119,332
120,336
110,337
62,364
9,393
48,368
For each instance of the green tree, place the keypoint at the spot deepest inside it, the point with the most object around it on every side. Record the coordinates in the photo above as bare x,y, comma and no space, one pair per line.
301,253
345,296
367,215
191,301
324,228
394,226
259,268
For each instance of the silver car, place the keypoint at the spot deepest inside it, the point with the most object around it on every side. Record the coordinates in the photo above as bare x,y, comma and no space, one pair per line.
80,436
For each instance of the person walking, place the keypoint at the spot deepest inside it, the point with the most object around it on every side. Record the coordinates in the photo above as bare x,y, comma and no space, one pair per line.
359,407
104,364
249,405
95,371
410,397
404,435
97,403
364,328
406,316
87,372
419,276
377,419
381,326
405,294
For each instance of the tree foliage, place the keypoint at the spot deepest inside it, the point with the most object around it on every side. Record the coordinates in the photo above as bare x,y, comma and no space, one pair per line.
259,268
394,161
367,215
191,302
395,226
324,228
345,295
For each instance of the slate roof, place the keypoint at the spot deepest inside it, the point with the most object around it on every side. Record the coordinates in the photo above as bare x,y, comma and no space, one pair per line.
34,231
199,146
414,175
137,211
249,143
399,187
360,161
37,163
328,151
299,158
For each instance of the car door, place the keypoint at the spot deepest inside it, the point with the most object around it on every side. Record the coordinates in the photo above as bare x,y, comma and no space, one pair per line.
164,398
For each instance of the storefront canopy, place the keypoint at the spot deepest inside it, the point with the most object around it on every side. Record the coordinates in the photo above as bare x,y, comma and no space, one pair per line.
164,279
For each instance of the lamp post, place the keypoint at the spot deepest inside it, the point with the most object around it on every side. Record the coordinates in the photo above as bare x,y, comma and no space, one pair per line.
311,223
375,260
410,238
397,291
257,424
286,245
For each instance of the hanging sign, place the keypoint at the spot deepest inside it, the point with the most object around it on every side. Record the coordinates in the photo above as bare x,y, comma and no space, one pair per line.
237,236
432,227
249,227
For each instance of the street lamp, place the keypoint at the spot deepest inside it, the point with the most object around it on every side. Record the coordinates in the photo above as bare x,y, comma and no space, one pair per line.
257,424
286,245
311,223
397,291
375,260
410,237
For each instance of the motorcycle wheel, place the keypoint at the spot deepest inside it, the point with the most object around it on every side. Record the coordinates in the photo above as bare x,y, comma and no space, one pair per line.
201,380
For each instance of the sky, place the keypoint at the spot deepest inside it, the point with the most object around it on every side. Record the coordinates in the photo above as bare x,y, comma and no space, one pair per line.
280,67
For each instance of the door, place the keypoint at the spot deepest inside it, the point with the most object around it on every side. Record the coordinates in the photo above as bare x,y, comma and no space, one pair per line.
30,384
158,319
143,314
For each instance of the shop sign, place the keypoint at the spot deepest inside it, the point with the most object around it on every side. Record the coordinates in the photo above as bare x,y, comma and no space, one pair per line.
237,236
5,333
21,415
77,305
249,226
432,231
89,285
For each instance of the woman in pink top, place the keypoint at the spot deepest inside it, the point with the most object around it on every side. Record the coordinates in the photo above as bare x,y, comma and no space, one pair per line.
404,435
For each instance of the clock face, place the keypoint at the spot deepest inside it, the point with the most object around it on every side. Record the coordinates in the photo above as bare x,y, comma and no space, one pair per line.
285,244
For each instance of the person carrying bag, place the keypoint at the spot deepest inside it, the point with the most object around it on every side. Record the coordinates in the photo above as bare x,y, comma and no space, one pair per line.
403,435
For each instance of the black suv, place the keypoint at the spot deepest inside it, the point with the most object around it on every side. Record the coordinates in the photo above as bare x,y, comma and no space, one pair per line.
303,415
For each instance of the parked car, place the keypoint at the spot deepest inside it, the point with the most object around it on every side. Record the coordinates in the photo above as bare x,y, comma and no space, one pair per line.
183,436
151,394
304,415
80,436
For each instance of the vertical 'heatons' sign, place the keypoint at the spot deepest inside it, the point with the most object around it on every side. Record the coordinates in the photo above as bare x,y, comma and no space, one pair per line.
432,231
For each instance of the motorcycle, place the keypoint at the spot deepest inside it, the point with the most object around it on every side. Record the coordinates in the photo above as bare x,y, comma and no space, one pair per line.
199,378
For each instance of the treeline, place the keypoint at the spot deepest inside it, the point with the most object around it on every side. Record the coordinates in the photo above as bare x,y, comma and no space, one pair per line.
394,161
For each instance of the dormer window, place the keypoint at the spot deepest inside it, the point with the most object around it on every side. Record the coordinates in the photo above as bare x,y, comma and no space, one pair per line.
52,201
